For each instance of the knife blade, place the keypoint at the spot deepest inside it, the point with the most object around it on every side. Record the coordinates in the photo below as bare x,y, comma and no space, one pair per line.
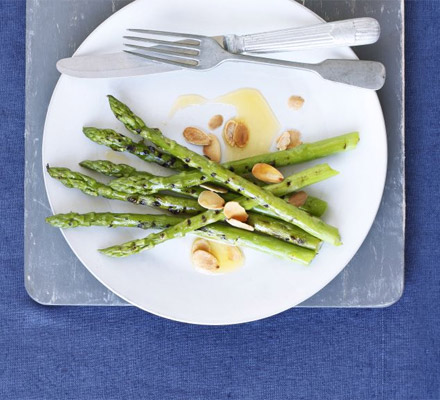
113,65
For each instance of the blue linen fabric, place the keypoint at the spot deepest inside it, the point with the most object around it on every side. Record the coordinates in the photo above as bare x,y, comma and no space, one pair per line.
124,353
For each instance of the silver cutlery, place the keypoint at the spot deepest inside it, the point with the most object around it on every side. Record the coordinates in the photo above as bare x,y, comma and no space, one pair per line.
352,32
199,52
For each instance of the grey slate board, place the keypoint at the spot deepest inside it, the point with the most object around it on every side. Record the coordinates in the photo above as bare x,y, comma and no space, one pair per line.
54,276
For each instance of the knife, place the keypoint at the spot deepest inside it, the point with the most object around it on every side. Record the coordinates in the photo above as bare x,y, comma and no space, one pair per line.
113,65
351,32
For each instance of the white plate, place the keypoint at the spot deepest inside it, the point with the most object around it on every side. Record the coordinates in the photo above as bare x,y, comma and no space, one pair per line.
162,280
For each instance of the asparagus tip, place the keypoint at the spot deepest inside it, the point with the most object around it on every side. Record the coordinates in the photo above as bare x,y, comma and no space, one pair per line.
334,171
110,253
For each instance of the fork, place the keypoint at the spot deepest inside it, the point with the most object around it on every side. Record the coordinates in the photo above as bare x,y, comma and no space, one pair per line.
199,52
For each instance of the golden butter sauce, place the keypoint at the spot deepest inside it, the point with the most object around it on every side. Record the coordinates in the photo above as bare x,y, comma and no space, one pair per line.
252,109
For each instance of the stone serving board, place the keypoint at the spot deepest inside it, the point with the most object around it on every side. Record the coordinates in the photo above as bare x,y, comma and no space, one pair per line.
52,273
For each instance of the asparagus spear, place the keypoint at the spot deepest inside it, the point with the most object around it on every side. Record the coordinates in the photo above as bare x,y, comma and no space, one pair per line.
118,142
92,187
266,244
313,205
280,230
227,234
302,153
113,220
289,213
109,168
262,224
88,185
290,184
129,184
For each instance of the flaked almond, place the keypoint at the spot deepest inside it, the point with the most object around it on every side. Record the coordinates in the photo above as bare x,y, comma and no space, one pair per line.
228,132
214,188
267,173
239,224
205,260
298,199
200,244
212,150
283,141
241,134
236,133
233,210
295,138
211,200
196,136
215,122
295,102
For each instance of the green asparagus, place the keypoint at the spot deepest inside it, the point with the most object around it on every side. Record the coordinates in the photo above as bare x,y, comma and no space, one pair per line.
94,188
224,233
302,153
289,213
290,184
264,243
294,253
118,142
113,220
235,182
262,224
90,186
118,170
280,230
313,205
109,168
320,171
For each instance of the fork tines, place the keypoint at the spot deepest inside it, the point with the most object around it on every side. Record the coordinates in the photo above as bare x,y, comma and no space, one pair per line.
182,52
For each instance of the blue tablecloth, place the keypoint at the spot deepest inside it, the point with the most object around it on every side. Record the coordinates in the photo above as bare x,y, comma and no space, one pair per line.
124,353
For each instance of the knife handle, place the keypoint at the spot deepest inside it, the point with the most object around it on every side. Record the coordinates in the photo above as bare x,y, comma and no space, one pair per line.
350,32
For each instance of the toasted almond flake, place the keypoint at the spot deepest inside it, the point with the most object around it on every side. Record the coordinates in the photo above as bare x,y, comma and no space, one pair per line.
283,141
295,102
236,133
215,122
213,151
214,188
267,173
298,199
233,210
241,134
228,132
239,224
204,260
211,200
200,244
295,138
196,136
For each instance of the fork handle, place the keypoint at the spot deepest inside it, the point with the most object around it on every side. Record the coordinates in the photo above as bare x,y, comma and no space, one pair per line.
350,32
363,74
